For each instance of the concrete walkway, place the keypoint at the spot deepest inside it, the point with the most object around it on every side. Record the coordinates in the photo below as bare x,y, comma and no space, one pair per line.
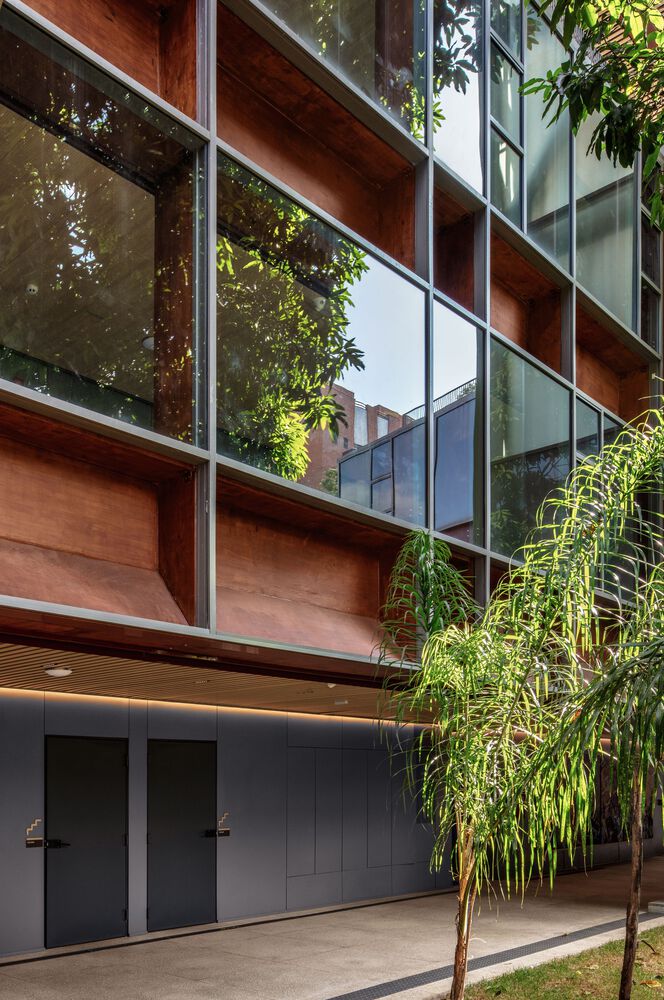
334,954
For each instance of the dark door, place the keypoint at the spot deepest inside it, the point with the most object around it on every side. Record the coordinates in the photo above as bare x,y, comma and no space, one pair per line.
182,780
86,839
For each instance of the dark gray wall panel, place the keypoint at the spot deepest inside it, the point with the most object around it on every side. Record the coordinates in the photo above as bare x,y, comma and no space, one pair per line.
329,810
174,722
22,799
306,891
379,812
412,878
137,821
252,861
354,809
301,830
303,731
367,883
361,735
412,841
103,717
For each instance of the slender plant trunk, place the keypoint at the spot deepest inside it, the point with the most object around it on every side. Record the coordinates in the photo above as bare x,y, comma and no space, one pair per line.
634,904
464,920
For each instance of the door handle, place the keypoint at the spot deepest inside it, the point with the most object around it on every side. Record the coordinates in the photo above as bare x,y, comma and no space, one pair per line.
56,842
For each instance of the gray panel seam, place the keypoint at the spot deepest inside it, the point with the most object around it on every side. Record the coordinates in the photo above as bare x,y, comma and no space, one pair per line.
395,986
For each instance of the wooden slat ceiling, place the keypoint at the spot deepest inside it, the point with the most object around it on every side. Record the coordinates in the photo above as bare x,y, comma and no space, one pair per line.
23,667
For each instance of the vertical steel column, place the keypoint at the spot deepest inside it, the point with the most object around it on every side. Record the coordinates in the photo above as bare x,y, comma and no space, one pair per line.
425,256
486,149
211,222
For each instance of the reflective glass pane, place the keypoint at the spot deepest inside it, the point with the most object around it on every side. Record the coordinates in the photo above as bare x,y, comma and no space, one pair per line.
381,460
547,154
457,359
381,496
587,429
604,228
651,308
506,22
505,98
96,239
530,444
457,82
505,179
409,474
378,46
651,239
611,430
354,479
320,346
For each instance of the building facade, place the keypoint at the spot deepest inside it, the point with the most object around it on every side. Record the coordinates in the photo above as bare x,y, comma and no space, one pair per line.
280,281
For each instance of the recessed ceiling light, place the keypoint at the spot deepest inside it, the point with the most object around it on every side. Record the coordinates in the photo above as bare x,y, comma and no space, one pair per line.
331,685
341,701
202,682
53,670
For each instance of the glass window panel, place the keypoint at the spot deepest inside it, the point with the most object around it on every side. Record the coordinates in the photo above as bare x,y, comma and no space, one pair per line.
587,430
548,153
96,239
457,406
381,496
457,60
651,308
651,264
354,479
505,179
604,228
378,46
409,474
505,98
506,22
381,460
530,444
360,426
313,332
611,430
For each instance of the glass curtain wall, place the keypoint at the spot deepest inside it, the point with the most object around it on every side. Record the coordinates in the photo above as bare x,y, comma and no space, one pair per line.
97,238
506,77
458,426
548,152
378,46
320,353
605,228
651,277
457,87
529,447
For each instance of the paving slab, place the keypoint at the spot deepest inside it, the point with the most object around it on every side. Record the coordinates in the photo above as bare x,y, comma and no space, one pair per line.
401,949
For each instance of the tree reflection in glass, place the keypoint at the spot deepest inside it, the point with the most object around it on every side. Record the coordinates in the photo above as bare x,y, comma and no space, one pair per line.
320,347
96,240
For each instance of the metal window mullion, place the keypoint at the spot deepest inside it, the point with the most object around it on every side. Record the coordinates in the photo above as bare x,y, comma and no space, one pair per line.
486,367
210,560
636,256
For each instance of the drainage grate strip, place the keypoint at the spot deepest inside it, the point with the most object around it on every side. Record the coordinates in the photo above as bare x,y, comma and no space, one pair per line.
395,986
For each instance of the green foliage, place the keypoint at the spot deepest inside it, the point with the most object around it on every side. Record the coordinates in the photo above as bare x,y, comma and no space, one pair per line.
284,298
614,71
596,560
486,692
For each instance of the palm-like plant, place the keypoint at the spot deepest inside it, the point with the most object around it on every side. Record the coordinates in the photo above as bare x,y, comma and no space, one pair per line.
599,548
487,720
522,698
